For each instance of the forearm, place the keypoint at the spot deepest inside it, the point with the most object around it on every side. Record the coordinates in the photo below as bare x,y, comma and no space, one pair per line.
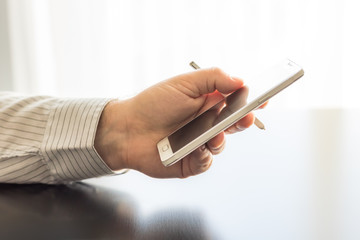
49,140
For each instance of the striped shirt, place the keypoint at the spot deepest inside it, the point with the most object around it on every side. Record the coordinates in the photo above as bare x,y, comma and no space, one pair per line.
49,140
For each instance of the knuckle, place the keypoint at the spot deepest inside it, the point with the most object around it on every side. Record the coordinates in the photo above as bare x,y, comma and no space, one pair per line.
218,149
205,158
205,166
216,71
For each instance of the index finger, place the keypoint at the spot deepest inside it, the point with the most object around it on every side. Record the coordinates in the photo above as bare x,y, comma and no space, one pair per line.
206,81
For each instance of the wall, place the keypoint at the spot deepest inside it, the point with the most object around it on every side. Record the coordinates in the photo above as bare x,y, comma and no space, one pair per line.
5,60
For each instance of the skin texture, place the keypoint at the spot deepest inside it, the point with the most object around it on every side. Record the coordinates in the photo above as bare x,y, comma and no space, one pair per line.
129,130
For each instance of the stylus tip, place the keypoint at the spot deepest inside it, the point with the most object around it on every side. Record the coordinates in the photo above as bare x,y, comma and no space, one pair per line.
259,124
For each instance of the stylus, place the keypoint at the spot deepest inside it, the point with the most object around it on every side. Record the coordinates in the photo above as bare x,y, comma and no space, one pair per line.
257,122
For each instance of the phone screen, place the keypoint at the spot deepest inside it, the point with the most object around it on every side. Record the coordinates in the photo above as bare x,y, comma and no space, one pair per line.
208,119
269,79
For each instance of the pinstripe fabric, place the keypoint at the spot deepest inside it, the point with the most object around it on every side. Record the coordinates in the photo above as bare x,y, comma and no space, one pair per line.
49,140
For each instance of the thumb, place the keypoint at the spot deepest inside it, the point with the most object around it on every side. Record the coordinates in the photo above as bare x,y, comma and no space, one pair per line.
205,81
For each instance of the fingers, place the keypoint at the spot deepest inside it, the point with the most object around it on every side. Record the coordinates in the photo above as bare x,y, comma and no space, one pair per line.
201,159
196,162
208,80
212,99
242,124
217,144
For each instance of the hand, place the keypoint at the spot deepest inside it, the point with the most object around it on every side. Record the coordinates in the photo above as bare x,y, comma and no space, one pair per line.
129,130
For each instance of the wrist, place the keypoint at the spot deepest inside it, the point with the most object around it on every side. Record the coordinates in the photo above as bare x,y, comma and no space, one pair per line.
111,138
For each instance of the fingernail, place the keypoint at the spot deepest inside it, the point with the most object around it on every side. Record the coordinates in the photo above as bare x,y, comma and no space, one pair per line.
203,147
240,128
231,130
217,148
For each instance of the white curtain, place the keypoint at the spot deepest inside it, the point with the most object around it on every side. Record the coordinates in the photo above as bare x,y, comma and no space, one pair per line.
113,48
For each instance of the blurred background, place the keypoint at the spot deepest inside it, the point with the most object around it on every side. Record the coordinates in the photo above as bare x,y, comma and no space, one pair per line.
102,48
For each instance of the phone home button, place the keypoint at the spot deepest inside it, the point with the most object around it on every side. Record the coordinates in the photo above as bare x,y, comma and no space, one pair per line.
165,148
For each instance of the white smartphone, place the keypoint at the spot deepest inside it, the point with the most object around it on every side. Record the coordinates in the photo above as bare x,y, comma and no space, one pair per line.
225,113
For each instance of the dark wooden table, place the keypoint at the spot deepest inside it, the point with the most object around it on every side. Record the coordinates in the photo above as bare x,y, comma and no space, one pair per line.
299,179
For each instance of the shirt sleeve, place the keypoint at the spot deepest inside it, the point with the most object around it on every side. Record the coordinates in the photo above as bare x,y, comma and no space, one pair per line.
49,140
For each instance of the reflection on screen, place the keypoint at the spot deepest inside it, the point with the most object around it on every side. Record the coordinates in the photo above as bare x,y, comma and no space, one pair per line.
208,119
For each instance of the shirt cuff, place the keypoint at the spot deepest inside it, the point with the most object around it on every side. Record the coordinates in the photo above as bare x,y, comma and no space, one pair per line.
68,144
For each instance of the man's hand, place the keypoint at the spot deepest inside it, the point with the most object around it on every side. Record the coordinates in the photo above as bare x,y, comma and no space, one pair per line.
129,130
